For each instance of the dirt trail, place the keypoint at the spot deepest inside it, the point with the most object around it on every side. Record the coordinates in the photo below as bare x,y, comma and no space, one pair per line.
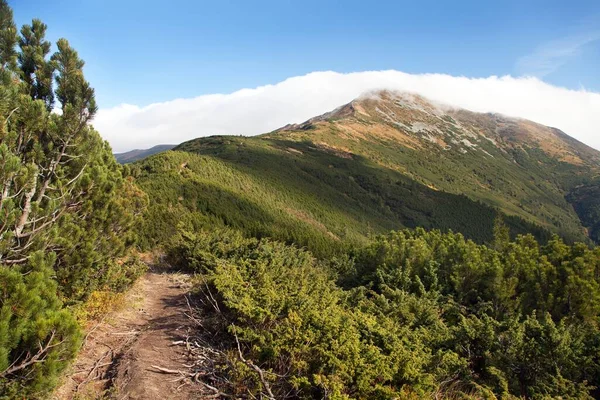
119,356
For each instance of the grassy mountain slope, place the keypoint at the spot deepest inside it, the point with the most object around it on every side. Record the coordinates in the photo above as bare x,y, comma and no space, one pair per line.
410,314
299,193
523,168
586,200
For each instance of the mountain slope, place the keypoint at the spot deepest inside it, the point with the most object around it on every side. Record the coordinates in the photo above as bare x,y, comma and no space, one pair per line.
139,154
382,162
298,193
524,168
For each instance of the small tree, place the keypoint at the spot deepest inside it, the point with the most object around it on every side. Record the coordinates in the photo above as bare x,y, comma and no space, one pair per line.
501,234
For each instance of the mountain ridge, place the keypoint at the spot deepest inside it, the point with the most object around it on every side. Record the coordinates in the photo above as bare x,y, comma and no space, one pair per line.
139,154
356,108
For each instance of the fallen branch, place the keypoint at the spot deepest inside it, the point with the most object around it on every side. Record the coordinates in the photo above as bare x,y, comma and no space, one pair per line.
91,375
217,392
125,333
191,313
256,368
211,299
170,371
85,339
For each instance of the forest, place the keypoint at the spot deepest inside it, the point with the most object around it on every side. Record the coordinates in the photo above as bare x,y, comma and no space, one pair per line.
316,276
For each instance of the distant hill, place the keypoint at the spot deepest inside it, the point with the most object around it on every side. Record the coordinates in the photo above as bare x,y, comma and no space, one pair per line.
139,154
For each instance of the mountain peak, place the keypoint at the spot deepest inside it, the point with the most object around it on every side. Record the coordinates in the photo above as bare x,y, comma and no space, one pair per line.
418,122
403,99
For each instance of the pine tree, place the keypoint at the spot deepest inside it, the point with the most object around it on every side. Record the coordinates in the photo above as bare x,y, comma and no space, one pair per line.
8,37
37,336
66,210
37,71
501,233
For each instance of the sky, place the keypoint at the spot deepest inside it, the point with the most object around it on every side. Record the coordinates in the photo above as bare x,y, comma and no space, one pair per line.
154,63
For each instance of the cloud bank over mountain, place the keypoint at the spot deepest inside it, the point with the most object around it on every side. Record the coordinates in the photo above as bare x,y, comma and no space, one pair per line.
294,100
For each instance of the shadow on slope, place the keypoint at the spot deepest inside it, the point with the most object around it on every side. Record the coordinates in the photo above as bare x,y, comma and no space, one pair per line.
302,193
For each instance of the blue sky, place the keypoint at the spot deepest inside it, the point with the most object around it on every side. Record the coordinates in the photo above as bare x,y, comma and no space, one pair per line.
142,52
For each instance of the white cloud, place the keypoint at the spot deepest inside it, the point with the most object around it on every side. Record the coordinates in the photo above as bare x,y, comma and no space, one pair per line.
260,110
550,56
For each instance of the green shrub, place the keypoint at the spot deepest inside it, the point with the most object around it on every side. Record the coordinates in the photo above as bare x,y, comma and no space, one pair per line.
421,314
38,337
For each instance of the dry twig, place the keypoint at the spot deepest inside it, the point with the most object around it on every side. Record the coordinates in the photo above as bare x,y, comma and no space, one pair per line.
256,368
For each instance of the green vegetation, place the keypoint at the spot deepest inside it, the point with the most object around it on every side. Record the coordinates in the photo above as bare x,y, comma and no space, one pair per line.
66,211
586,203
521,168
342,258
413,314
284,235
297,193
291,242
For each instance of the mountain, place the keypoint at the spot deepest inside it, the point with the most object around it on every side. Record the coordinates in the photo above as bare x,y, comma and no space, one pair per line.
527,170
384,161
139,154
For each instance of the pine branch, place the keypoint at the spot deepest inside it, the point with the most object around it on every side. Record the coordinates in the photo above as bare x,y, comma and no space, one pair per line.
29,360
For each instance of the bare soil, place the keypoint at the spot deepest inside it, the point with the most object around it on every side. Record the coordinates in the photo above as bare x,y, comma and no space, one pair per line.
136,353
